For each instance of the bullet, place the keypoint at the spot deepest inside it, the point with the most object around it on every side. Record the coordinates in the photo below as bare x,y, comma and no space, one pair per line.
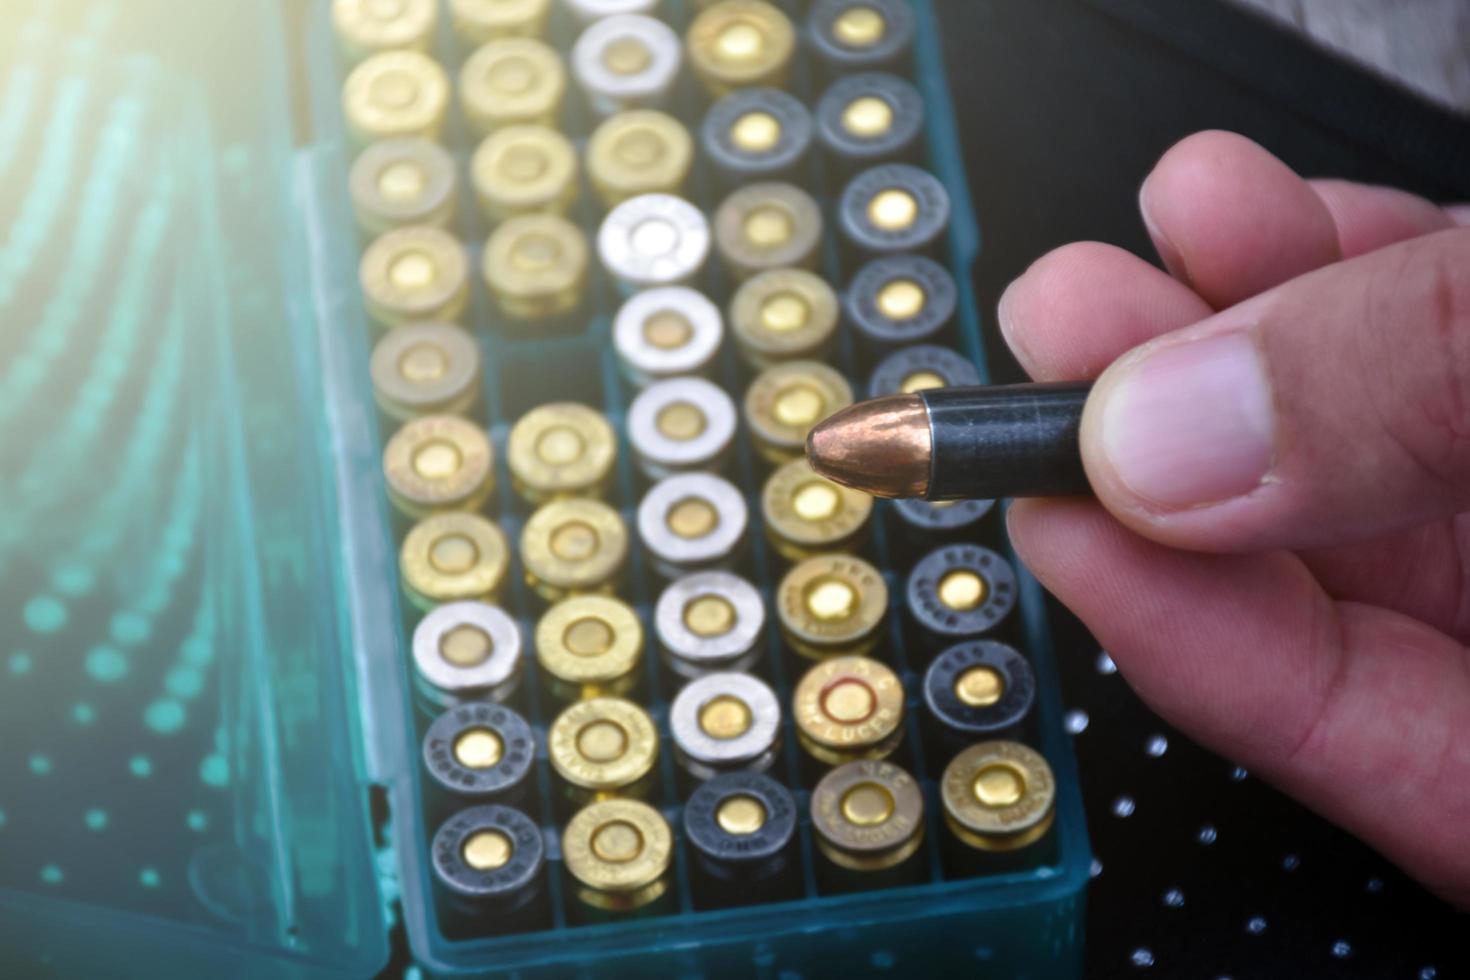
509,81
535,266
561,449
453,556
467,651
414,273
479,21
691,521
869,118
638,151
741,827
806,514
395,94
626,61
893,207
831,605
783,315
723,722
919,368
404,181
480,751
573,546
366,27
664,332
492,859
958,443
680,424
899,300
601,748
848,708
590,647
978,690
757,134
425,369
653,240
618,854
437,463
868,817
786,400
861,35
710,621
767,226
524,169
998,796
740,44
960,590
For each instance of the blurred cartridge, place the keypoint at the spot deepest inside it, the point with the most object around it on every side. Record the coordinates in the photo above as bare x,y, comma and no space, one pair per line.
664,332
639,151
524,169
740,44
848,708
921,367
437,463
509,81
561,449
490,862
365,27
899,300
918,526
535,266
626,62
893,207
653,240
869,118
480,751
680,424
767,226
960,591
618,856
806,514
741,827
723,722
977,690
861,35
425,369
999,799
783,315
415,273
395,93
757,134
453,556
832,605
868,818
601,748
691,521
786,400
404,181
587,11
464,651
573,546
710,621
478,21
589,647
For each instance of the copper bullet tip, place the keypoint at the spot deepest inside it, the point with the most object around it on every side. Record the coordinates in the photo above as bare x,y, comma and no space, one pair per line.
882,447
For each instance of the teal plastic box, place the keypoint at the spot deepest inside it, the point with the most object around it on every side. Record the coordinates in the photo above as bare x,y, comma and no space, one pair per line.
204,671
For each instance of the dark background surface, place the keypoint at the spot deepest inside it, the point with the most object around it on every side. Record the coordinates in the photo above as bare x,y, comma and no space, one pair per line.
1064,105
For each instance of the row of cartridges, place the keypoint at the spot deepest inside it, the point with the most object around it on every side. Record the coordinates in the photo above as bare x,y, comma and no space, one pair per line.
495,775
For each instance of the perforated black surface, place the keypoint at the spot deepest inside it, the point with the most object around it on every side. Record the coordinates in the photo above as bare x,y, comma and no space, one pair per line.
1203,871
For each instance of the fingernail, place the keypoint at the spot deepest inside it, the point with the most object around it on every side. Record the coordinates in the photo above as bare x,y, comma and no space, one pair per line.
1190,423
1173,258
1005,318
1459,213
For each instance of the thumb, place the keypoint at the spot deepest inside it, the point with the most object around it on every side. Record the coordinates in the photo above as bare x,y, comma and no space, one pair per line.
1329,409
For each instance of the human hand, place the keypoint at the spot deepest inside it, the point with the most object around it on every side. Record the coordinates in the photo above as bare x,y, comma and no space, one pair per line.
1279,438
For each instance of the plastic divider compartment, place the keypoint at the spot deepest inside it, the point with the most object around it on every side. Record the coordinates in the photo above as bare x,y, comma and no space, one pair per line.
1019,922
